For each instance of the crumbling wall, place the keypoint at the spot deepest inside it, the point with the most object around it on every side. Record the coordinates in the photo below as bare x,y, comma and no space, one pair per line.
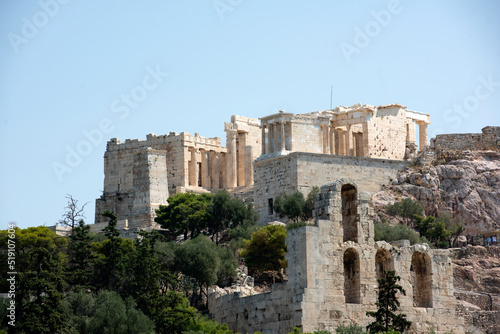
489,139
332,281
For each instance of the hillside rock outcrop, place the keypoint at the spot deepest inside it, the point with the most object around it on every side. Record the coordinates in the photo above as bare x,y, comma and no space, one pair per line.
468,187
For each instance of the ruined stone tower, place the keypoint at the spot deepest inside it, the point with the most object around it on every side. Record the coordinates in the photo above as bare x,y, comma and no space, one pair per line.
333,269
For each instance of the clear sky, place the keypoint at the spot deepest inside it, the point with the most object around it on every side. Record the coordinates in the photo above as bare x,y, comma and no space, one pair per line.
74,74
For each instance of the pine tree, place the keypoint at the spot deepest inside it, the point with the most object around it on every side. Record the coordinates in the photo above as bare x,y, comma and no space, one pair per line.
385,318
116,254
80,273
40,294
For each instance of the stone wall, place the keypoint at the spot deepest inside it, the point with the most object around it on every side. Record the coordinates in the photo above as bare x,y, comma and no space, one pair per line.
489,139
276,175
136,184
332,275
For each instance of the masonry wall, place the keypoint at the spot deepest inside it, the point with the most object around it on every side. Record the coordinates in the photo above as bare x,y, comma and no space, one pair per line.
387,133
333,281
279,175
124,176
489,139
306,135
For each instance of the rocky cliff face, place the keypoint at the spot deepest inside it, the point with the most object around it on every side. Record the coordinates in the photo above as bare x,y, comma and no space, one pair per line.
466,185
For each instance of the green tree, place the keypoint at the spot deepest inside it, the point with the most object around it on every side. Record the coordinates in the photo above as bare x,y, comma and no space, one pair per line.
114,254
81,258
226,213
387,304
205,262
307,211
405,210
240,233
173,313
390,233
290,206
40,293
79,308
203,325
295,206
186,214
113,315
27,240
433,229
266,250
454,225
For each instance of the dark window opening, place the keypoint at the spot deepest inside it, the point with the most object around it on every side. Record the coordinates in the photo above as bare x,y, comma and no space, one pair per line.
270,208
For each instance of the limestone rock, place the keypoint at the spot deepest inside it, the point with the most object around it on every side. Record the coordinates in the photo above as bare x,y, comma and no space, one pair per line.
469,187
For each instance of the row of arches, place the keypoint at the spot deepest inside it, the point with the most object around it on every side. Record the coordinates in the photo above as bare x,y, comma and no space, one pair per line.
421,272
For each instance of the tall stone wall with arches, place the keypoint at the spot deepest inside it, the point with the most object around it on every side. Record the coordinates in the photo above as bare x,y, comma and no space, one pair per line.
333,267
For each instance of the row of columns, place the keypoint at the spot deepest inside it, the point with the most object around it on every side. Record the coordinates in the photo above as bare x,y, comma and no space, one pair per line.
344,142
274,139
205,171
240,159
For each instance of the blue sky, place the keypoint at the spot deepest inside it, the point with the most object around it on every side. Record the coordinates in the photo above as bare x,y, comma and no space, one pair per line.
76,73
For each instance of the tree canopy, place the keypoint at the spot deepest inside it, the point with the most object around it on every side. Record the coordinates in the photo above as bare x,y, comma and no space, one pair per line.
266,250
186,214
405,209
295,206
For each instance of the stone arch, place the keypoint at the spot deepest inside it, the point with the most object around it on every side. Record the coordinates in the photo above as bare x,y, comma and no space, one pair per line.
421,271
349,197
352,281
383,262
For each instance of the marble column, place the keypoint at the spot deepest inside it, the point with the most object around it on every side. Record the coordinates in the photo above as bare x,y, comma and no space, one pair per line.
332,140
232,163
263,139
422,137
282,136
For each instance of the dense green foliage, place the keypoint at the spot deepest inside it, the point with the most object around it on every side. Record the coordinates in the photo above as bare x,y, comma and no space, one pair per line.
266,250
295,206
186,214
107,313
102,283
387,304
439,229
189,214
389,233
405,210
81,258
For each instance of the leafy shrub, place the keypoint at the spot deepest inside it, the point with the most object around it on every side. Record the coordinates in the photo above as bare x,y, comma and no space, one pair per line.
389,233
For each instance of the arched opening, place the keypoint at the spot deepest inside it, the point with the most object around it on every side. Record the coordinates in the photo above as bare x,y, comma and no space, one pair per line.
352,285
421,271
349,212
383,262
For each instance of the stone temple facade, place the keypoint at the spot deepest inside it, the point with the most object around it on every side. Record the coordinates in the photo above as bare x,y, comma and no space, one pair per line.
333,267
265,158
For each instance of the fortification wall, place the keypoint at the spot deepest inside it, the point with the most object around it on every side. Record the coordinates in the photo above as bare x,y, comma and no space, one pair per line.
489,139
278,175
333,269
274,312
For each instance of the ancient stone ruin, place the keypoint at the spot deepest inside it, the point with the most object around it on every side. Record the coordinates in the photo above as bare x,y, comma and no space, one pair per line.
333,267
263,159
